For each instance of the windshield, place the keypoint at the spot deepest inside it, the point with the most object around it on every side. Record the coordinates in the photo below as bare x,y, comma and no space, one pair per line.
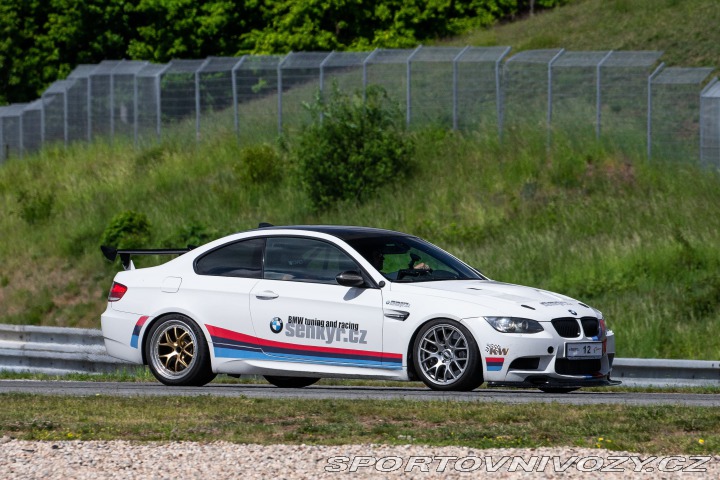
410,259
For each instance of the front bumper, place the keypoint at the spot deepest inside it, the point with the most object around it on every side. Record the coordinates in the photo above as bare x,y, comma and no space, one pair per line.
540,360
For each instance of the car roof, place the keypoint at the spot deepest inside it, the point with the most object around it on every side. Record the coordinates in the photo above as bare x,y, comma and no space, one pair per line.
343,232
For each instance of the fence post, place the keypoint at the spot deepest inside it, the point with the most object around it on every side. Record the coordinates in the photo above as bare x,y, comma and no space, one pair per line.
649,108
158,107
88,105
65,117
136,117
279,87
408,95
21,136
158,96
322,70
365,62
455,87
550,96
322,80
112,100
89,112
710,84
598,100
233,79
3,153
197,98
42,122
499,94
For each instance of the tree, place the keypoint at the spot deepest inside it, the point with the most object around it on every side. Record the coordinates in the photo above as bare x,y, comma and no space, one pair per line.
44,40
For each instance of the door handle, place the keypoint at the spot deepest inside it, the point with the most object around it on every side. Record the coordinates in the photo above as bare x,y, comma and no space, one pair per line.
266,295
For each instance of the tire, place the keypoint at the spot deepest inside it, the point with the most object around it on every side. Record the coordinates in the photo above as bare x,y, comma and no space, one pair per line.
446,356
177,352
291,382
558,389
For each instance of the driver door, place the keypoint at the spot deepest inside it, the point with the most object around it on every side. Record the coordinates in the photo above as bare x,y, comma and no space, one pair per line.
300,313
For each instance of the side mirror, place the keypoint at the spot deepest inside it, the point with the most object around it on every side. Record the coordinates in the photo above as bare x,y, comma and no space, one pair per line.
351,278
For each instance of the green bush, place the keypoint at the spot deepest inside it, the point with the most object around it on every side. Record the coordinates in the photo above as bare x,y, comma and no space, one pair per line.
352,147
128,229
193,233
35,207
260,164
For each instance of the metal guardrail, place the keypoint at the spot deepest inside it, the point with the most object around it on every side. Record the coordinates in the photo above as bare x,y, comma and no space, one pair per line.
55,350
661,372
60,350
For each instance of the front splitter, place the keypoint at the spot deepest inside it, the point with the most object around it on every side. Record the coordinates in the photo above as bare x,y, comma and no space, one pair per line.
548,382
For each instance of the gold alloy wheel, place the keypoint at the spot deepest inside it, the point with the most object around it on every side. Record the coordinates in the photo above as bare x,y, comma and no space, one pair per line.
173,349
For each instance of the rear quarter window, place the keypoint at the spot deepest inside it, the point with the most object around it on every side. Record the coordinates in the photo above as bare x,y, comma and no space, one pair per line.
238,259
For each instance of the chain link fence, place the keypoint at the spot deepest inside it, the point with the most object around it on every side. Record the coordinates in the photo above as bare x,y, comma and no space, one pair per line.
629,100
674,113
710,125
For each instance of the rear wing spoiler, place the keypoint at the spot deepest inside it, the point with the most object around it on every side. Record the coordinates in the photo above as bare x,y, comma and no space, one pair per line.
112,253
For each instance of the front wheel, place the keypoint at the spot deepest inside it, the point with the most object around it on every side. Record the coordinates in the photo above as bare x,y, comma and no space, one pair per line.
291,382
445,356
177,352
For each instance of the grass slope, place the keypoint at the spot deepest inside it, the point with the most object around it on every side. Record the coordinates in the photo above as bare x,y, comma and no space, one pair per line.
683,29
637,241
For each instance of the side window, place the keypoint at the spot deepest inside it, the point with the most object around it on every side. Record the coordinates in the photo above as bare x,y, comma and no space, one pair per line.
305,260
239,259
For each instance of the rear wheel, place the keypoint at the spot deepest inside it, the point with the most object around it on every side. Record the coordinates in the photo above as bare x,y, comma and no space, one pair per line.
177,352
445,356
291,382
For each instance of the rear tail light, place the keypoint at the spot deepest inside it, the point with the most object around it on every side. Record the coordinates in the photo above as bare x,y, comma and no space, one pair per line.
116,292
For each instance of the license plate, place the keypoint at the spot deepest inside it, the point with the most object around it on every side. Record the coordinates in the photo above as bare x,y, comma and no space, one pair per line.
582,350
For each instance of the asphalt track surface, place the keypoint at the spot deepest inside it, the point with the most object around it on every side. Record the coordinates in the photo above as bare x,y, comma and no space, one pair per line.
512,396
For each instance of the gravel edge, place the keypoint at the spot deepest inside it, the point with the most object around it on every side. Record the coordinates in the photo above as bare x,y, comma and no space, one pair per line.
219,460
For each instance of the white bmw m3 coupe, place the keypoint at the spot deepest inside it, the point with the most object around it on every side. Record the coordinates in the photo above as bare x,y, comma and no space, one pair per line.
300,303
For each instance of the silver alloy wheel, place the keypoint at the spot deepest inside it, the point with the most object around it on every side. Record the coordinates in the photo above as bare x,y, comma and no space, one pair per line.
172,349
443,354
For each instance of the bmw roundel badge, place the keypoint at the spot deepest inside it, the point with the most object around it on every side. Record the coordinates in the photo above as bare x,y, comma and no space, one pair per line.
276,325
572,312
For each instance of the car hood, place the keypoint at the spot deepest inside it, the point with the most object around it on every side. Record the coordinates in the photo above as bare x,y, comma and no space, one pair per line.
504,298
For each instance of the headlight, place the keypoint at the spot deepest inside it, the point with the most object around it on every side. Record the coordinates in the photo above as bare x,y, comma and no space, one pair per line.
514,325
